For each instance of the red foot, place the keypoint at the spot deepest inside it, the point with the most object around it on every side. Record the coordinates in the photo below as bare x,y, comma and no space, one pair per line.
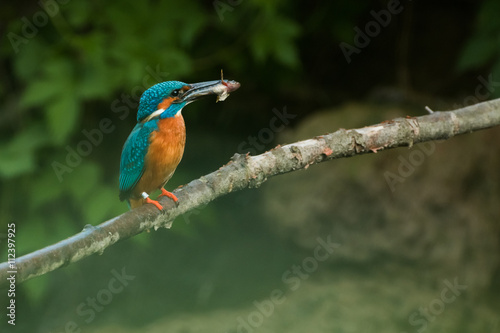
168,194
154,202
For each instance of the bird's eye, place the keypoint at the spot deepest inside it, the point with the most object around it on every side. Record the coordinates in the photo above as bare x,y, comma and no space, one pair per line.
175,93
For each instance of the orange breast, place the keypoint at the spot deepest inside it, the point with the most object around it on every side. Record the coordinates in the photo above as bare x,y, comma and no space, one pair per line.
164,154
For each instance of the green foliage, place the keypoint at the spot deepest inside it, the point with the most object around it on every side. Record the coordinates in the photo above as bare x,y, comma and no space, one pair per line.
68,75
17,155
275,38
477,52
483,48
36,288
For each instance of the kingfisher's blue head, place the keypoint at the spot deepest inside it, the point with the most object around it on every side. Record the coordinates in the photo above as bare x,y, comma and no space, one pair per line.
166,99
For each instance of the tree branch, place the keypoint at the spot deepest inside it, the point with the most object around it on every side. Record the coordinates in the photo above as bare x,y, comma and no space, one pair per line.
245,171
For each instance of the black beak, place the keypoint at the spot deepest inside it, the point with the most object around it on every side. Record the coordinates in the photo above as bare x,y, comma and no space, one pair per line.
201,89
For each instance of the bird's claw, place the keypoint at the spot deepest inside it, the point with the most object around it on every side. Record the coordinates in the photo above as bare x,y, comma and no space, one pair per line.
147,199
154,202
169,195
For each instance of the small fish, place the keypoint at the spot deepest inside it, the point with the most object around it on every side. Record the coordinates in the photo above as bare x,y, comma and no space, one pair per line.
221,88
225,88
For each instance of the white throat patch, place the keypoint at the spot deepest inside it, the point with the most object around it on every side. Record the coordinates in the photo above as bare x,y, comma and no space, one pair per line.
154,114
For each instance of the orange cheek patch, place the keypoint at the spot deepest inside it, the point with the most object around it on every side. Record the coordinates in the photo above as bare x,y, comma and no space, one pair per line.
165,104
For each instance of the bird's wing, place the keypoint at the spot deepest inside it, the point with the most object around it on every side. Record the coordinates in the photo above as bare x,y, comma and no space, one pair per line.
132,160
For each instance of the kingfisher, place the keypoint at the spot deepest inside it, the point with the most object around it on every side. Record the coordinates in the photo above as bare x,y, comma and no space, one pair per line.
155,146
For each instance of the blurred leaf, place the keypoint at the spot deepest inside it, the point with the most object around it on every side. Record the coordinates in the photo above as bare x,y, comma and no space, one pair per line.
43,232
476,53
78,13
45,188
65,226
61,115
55,91
27,63
59,69
189,29
33,238
18,155
259,47
276,38
14,163
83,181
35,289
287,54
39,92
95,80
178,62
99,205
487,19
484,45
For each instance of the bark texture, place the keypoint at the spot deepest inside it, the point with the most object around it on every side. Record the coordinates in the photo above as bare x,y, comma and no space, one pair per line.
244,171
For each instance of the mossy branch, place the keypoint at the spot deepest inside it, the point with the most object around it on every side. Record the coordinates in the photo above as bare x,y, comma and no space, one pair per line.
245,171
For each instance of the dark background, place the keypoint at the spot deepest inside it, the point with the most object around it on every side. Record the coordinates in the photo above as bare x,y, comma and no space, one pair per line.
62,74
